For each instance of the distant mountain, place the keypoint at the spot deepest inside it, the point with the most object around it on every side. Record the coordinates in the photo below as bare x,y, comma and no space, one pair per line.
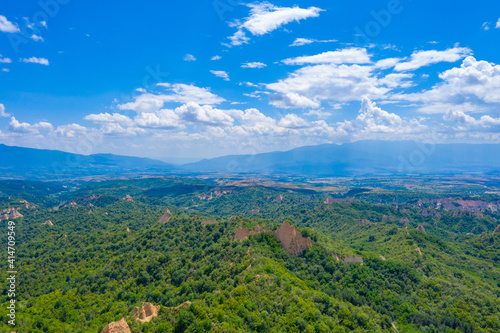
28,163
364,158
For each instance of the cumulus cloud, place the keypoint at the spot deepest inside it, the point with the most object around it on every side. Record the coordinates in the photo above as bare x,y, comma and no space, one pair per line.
221,74
353,55
181,93
189,57
25,128
162,119
338,83
35,60
216,57
373,120
265,17
4,60
293,121
292,100
462,118
472,81
425,58
497,26
204,115
37,38
7,26
70,130
253,65
2,111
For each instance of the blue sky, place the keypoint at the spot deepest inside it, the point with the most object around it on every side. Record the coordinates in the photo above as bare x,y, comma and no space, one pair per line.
182,80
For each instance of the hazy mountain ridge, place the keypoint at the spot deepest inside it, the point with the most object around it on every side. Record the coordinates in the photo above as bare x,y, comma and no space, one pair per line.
362,158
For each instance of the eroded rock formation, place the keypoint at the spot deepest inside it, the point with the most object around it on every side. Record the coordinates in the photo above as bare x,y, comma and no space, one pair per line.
146,312
166,216
9,213
117,327
291,239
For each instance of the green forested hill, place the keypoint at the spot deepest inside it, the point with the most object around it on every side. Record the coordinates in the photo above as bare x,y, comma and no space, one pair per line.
105,254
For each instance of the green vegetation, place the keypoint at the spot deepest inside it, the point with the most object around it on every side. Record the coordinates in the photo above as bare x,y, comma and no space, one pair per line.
105,254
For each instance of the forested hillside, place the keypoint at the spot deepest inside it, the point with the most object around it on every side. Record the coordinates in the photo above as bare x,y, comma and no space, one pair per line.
376,261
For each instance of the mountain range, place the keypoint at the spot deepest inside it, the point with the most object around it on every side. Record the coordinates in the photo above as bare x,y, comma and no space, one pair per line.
362,158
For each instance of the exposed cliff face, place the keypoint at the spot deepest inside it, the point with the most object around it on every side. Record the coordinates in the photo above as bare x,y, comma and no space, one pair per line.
117,327
243,233
9,213
497,230
146,312
166,216
291,239
331,200
128,198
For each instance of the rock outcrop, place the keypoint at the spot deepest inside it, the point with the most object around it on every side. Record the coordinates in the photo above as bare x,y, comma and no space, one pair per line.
331,200
146,312
49,222
166,216
421,229
292,240
404,220
363,222
497,230
128,198
388,218
243,233
117,327
279,198
9,213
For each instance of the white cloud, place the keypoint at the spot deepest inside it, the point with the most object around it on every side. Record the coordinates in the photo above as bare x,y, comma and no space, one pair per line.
109,118
486,26
265,17
182,93
462,118
7,26
35,60
336,83
293,121
37,38
162,119
472,81
373,120
253,65
2,111
387,63
497,26
221,74
70,130
292,100
345,56
25,128
189,57
5,70
239,38
5,60
397,80
425,58
216,57
204,115
306,41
